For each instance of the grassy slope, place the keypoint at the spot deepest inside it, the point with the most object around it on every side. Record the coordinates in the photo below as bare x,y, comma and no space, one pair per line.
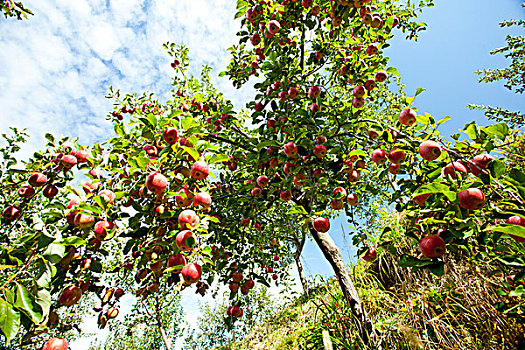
413,310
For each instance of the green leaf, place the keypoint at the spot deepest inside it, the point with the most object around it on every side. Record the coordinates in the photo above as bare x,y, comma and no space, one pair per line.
496,168
500,129
218,158
187,123
192,152
519,291
419,91
26,302
393,70
446,119
50,137
437,269
152,119
74,240
472,131
515,230
96,266
410,261
357,152
43,299
436,188
9,320
142,162
45,273
55,252
297,210
265,143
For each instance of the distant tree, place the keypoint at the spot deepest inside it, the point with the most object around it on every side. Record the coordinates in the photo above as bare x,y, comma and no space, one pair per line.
144,327
513,75
210,332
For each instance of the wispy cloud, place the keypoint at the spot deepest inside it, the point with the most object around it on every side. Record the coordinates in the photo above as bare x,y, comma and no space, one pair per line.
56,67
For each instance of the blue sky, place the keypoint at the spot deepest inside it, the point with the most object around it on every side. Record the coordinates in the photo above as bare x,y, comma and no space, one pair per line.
56,67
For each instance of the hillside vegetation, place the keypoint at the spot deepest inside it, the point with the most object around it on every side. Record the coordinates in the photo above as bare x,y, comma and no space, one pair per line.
469,307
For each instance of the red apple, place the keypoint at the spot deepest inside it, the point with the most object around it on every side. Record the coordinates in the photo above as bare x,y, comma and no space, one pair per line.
394,168
286,195
11,212
236,311
481,160
516,220
358,102
156,182
293,93
337,204
262,181
188,219
319,151
68,161
81,156
118,293
421,199
370,84
353,176
102,228
472,198
381,76
288,168
256,191
372,49
299,180
185,240
452,169
70,296
359,91
83,221
237,277
321,224
202,199
176,260
183,201
273,27
379,156
314,91
56,344
407,117
108,195
234,287
352,199
370,255
170,135
432,246
396,156
290,149
429,150
26,191
340,190
37,179
191,273
200,170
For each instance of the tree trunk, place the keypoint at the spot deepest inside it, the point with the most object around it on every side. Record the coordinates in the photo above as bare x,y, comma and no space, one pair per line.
165,339
299,245
333,255
304,283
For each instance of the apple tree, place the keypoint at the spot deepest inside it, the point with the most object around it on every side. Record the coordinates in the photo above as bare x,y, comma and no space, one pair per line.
322,112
